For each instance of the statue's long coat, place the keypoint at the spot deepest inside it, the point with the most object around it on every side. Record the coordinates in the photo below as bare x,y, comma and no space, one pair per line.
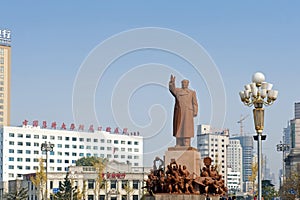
186,107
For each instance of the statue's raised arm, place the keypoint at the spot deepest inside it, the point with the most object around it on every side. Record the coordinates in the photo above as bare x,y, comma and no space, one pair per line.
172,86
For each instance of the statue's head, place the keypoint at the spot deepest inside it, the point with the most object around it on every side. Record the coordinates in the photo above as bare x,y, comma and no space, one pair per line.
185,84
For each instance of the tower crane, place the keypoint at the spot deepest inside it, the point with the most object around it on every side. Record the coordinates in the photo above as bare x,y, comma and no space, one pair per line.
241,123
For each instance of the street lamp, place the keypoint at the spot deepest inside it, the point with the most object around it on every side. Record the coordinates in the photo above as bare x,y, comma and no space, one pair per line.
47,147
257,94
284,148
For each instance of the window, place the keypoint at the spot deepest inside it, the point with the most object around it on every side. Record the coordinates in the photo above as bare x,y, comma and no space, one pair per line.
135,197
81,147
122,142
95,140
116,141
74,154
113,184
59,169
20,159
129,142
36,144
129,149
122,149
52,137
28,136
95,148
27,167
59,137
36,136
27,159
44,137
19,151
81,154
74,139
67,138
20,135
136,143
135,184
136,157
102,140
11,167
108,141
129,157
11,159
81,139
11,143
20,143
88,147
67,146
11,151
108,148
28,144
67,153
59,161
74,146
66,161
136,150
11,135
59,145
59,153
90,184
122,156
101,148
88,139
35,152
124,183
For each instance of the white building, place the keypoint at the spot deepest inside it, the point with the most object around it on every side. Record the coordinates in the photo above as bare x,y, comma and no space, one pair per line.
213,143
235,162
234,183
21,149
115,177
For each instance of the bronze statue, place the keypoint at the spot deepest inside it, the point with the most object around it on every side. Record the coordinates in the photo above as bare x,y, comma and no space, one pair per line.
185,109
176,179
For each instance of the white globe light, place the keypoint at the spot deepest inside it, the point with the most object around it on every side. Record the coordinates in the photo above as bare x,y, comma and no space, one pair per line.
258,78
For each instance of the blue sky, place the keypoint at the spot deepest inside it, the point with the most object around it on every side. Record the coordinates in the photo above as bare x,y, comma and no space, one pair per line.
51,40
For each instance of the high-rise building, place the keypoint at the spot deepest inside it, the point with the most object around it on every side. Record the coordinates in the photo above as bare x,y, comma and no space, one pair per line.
292,163
297,110
213,143
20,149
235,160
247,146
5,65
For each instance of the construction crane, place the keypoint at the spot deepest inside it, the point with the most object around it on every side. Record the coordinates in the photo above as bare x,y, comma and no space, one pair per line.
241,124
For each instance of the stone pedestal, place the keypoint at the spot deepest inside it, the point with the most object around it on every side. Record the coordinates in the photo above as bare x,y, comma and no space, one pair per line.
180,197
188,156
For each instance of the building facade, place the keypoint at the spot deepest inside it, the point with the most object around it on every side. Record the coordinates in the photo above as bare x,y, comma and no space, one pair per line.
213,143
235,162
247,147
234,183
21,149
5,68
120,181
292,162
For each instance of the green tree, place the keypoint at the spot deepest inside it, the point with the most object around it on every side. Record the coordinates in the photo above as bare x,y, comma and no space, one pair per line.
66,190
39,180
268,190
19,194
88,161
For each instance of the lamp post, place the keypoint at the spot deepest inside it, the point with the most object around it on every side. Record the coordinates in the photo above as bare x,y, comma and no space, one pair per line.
47,147
257,94
284,148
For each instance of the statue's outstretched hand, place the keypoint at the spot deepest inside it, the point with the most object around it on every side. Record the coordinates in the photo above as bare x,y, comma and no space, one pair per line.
172,79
